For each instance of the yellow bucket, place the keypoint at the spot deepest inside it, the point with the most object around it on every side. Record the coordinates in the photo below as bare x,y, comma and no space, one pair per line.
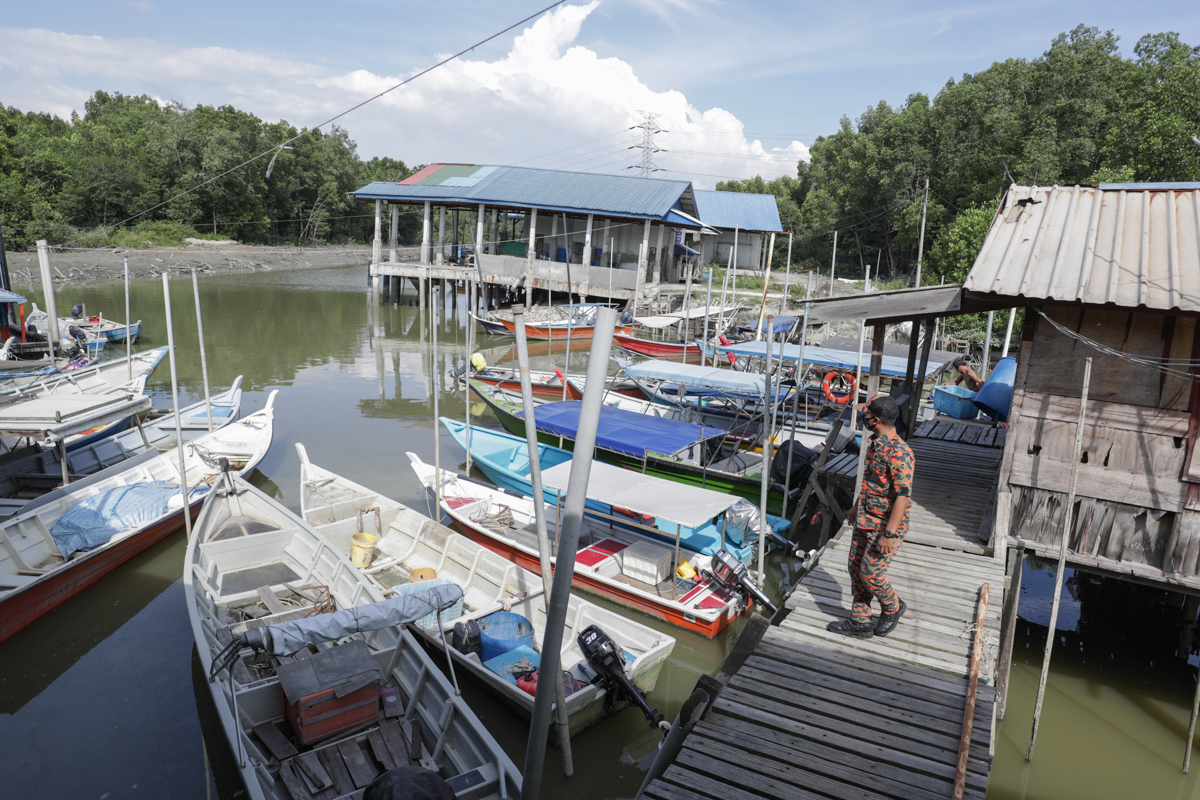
362,550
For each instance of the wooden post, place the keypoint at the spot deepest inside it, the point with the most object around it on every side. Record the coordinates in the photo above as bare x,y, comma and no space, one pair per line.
768,418
766,283
877,334
921,238
1008,626
919,378
1062,559
964,741
1187,748
833,264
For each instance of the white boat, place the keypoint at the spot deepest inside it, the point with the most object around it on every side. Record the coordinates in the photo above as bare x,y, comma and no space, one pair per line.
107,376
26,477
255,573
409,541
54,551
614,562
94,326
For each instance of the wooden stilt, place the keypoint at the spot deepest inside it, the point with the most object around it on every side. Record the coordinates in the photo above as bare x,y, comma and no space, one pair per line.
1008,625
1187,747
1062,560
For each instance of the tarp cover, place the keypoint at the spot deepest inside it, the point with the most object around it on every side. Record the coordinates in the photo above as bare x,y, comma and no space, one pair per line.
894,366
694,376
781,324
92,522
690,506
624,432
285,638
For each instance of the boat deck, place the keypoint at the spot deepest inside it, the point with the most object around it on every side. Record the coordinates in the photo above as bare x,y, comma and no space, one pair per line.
812,714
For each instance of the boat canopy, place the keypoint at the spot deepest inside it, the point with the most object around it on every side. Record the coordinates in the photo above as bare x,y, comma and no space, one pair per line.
782,324
666,501
11,297
894,366
625,432
694,376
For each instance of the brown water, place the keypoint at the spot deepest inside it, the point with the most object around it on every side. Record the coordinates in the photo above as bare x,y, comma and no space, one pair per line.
101,697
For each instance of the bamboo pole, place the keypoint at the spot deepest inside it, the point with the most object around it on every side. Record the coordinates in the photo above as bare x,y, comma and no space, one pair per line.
128,338
833,264
964,742
768,416
203,359
1062,559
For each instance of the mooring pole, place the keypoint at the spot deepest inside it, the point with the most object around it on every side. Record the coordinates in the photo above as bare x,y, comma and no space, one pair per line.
572,515
833,264
787,275
707,312
765,487
1187,750
470,347
203,360
968,724
43,251
1062,559
987,346
128,338
539,514
797,377
437,440
183,487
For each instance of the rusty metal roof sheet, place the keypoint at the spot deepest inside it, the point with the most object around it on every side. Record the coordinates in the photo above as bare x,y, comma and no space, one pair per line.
1126,245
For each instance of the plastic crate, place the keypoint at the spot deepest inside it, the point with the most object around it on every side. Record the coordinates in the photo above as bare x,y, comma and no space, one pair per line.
955,401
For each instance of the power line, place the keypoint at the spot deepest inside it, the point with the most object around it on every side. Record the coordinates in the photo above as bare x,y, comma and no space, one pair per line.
336,117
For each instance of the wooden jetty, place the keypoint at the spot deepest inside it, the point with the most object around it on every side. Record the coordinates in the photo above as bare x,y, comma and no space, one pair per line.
813,714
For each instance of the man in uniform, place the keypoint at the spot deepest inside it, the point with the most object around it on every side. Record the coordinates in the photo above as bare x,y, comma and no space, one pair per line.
880,520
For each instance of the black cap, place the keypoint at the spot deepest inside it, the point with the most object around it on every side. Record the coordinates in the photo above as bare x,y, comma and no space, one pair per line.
884,408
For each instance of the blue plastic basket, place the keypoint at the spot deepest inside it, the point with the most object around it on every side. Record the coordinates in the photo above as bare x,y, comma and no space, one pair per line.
955,401
503,631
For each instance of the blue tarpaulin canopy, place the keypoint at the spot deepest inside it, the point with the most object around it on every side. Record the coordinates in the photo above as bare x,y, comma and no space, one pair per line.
11,297
624,432
843,359
781,324
694,376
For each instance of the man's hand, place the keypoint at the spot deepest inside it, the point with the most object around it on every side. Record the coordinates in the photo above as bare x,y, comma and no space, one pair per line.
886,545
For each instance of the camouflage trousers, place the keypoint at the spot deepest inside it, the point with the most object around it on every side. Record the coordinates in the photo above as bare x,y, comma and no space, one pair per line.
868,576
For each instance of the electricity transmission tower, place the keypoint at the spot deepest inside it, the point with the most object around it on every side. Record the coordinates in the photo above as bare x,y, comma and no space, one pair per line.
649,130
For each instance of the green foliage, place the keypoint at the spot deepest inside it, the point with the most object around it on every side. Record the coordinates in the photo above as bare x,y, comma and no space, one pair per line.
89,178
954,253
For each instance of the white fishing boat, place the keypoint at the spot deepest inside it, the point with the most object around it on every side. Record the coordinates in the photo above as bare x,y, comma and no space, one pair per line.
33,475
54,551
318,683
495,589
613,559
107,376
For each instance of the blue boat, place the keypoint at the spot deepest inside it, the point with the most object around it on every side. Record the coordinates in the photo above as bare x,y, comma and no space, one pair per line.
504,458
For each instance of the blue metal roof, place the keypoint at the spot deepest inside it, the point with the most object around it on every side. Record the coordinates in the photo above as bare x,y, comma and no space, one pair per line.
544,189
729,210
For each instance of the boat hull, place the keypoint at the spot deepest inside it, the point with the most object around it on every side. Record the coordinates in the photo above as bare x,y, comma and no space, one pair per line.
542,332
48,592
669,350
674,616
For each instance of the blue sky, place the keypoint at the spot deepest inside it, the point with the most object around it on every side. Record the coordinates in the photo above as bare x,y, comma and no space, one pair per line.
743,88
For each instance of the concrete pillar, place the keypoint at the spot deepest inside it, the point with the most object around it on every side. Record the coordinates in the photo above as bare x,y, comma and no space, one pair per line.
531,254
554,237
377,242
587,243
441,253
644,252
395,239
426,233
658,267
494,236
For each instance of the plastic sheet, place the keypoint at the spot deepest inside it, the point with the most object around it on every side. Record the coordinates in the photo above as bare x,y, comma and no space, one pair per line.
92,522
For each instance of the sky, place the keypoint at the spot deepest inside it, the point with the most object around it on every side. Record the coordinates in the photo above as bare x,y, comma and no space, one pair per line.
740,88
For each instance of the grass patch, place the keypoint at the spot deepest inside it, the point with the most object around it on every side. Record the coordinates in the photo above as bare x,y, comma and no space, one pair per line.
157,233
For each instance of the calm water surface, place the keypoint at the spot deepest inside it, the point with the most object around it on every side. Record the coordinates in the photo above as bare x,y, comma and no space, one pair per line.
103,697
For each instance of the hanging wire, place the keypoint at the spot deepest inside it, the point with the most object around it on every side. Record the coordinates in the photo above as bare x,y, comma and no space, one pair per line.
1179,367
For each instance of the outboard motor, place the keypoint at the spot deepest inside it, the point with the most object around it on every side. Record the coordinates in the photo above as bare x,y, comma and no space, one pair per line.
731,573
602,656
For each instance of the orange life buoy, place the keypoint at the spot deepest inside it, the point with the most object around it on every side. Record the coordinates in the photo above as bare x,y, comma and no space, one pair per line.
847,379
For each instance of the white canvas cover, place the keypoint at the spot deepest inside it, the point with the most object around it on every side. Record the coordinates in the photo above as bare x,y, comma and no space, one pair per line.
665,500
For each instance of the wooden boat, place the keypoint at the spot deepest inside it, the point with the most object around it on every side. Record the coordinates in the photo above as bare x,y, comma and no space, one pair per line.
92,379
545,385
675,351
27,475
691,463
36,574
95,326
490,325
504,458
255,571
579,332
16,372
410,541
613,562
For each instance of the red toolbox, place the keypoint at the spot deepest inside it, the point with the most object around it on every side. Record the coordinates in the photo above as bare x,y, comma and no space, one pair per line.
330,692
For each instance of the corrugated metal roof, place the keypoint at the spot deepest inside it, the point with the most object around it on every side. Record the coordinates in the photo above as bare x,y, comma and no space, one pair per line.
1138,245
729,210
559,190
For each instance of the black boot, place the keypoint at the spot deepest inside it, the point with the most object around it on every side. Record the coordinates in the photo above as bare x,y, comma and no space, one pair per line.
851,627
887,622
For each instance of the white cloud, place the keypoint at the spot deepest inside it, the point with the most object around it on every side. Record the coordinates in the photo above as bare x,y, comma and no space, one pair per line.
546,102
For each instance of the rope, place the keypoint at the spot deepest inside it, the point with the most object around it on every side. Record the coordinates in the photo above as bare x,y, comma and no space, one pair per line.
1169,366
991,645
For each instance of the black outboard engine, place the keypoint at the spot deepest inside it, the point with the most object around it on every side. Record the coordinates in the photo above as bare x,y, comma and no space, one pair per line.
602,656
731,573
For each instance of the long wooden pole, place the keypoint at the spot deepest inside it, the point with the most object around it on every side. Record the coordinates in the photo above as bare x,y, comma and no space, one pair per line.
128,337
1062,559
1187,750
765,488
921,238
964,742
183,484
203,358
